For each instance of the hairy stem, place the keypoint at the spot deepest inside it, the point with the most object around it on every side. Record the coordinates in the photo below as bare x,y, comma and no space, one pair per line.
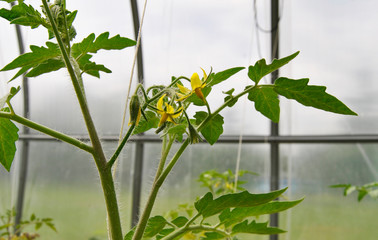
98,154
155,189
48,131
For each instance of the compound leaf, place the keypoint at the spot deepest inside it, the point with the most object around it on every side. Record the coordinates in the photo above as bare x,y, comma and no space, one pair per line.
23,14
8,138
213,129
38,55
266,102
260,69
308,95
92,45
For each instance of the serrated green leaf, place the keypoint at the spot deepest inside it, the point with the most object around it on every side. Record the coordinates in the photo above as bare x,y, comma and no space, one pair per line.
8,138
33,59
260,69
207,207
266,102
255,228
213,129
154,226
309,95
164,233
180,221
224,75
228,217
94,69
152,122
92,45
23,14
48,66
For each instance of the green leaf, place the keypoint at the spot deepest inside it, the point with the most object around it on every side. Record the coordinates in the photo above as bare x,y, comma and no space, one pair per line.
224,75
230,98
255,228
154,226
8,138
213,129
130,234
180,221
207,207
212,236
309,95
23,14
90,45
228,217
39,55
266,102
260,69
94,69
179,130
3,100
152,122
48,66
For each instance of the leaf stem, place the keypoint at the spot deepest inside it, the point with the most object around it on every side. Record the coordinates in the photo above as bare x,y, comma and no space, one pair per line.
48,131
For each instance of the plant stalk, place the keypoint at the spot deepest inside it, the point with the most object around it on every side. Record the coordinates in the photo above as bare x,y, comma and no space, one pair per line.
98,155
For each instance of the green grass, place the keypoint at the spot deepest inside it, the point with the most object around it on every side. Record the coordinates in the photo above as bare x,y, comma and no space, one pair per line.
79,214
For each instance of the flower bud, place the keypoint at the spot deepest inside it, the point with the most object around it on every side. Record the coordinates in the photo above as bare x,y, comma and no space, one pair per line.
193,134
135,110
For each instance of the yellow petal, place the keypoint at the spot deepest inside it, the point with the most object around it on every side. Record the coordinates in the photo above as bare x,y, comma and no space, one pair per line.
204,75
178,113
163,119
169,109
183,89
195,81
160,103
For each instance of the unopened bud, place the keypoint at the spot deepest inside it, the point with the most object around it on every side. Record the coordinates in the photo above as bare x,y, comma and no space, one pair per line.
135,110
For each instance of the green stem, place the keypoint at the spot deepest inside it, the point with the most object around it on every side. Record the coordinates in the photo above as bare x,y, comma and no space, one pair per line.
120,147
155,189
98,155
183,230
164,154
48,131
224,105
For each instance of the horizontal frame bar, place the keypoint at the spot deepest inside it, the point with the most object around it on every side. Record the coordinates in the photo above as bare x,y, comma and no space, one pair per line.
360,138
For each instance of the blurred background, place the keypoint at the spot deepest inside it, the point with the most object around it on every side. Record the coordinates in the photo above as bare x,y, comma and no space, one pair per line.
316,149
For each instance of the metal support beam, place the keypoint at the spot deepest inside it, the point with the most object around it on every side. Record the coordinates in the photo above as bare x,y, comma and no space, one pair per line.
24,158
274,130
139,149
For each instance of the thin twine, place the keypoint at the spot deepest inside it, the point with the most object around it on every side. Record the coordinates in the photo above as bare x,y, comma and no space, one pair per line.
130,81
238,157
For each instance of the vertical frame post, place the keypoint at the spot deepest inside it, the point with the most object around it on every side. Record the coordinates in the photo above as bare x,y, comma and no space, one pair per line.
274,127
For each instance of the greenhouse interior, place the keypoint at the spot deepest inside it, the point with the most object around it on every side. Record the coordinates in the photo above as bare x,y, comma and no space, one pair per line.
188,120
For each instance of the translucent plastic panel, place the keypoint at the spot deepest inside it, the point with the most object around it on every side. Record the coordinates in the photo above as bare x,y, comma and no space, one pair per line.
63,184
338,49
308,171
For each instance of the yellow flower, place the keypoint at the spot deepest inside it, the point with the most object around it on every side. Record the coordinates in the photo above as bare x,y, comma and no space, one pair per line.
197,86
167,112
